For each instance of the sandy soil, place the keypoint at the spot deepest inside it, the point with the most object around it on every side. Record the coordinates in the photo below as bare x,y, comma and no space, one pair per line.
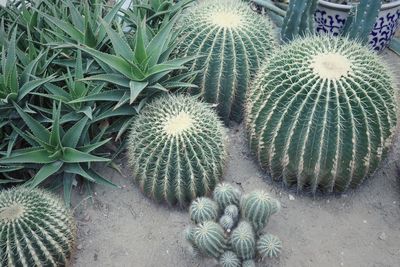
359,228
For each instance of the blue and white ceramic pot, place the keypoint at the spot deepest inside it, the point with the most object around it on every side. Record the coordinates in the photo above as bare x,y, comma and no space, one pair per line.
330,18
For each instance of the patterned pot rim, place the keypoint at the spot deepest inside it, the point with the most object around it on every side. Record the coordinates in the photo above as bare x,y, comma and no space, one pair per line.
341,7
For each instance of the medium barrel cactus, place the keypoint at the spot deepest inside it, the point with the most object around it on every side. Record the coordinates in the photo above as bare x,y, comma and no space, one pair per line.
232,42
35,229
203,209
257,207
269,246
243,241
176,149
226,194
229,259
321,113
209,238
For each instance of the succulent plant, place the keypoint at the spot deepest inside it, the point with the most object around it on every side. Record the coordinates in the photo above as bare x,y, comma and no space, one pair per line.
176,149
249,263
209,238
232,211
203,209
229,259
243,241
269,246
232,42
321,113
226,194
257,207
226,222
35,229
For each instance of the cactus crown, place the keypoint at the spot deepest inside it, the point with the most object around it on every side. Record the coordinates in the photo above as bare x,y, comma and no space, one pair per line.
269,246
321,113
232,41
203,209
46,229
243,241
176,149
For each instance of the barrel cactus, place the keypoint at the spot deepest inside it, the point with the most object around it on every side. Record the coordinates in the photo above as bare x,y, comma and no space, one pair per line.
203,209
226,194
35,229
257,207
209,238
226,222
232,211
176,149
269,246
232,41
229,259
243,241
249,263
321,113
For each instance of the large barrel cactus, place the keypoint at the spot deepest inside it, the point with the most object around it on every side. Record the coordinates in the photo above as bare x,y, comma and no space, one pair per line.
321,113
35,229
232,41
176,149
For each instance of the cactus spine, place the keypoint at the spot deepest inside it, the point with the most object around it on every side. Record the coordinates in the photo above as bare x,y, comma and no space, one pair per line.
229,259
269,246
322,113
226,194
257,207
176,149
232,42
35,229
243,241
210,239
203,209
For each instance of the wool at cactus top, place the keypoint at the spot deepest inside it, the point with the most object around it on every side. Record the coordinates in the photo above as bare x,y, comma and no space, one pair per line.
35,229
232,42
176,149
321,113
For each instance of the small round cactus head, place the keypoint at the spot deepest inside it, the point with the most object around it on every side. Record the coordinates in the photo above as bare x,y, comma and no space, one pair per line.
243,241
257,207
188,233
232,211
36,229
226,222
176,149
229,259
249,263
226,194
269,246
209,238
203,209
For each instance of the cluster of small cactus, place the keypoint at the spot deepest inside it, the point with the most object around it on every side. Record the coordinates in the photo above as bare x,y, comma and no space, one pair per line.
231,42
321,113
176,149
35,229
230,226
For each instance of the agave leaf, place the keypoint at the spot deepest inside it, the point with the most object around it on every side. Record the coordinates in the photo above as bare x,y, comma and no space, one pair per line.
91,147
110,95
136,88
75,168
114,78
120,46
55,136
68,181
66,27
72,136
35,155
140,42
45,172
32,85
71,155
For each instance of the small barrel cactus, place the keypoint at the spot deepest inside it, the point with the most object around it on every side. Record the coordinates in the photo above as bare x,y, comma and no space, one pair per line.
269,246
226,194
243,241
249,263
209,238
232,41
257,207
321,113
229,259
232,211
226,222
203,209
176,149
36,229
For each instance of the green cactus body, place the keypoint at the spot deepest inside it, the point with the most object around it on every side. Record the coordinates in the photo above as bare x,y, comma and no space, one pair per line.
36,229
232,211
269,246
226,222
249,263
232,41
257,207
243,241
176,149
229,259
226,194
203,209
321,114
209,238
